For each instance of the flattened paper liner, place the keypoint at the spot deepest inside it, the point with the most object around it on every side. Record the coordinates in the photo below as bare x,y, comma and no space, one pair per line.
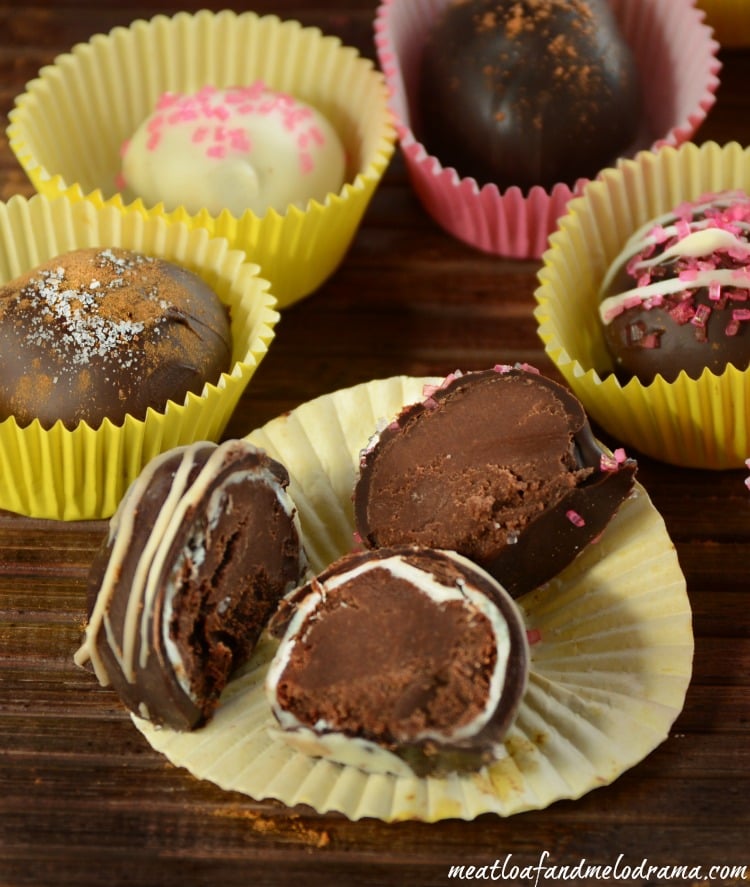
608,676
56,133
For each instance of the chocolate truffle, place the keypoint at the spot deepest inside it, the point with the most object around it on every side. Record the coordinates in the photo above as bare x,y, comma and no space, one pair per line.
500,465
399,660
245,147
200,551
527,92
676,298
103,333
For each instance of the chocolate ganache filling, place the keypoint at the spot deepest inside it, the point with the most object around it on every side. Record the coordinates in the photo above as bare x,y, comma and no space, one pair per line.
201,550
414,652
499,465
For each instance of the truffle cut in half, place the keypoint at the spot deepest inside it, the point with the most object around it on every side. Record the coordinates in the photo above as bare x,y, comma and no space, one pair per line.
200,551
404,660
500,465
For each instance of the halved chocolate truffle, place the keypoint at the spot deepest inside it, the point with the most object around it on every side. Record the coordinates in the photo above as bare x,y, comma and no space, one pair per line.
677,297
399,660
100,334
500,465
527,92
202,548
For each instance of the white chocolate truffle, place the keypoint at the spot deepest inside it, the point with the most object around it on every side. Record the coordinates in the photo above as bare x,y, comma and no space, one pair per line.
245,147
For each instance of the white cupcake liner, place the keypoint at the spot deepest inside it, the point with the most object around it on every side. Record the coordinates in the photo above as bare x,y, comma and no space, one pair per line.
611,651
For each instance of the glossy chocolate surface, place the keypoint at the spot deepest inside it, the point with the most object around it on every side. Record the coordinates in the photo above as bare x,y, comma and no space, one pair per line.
105,333
203,547
677,298
527,92
499,465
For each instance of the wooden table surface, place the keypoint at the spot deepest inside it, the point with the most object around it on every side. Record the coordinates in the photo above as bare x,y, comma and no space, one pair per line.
84,800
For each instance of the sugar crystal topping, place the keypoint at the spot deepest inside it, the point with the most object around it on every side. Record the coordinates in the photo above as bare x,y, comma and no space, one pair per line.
80,316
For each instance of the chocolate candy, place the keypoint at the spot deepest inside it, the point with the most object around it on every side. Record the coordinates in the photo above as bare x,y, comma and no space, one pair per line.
101,334
677,297
199,553
500,465
527,92
399,660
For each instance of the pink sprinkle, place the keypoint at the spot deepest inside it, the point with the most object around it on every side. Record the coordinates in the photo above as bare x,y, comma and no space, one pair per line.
613,462
682,312
650,340
306,163
575,518
683,228
741,314
533,636
218,151
714,290
688,275
199,134
702,313
732,328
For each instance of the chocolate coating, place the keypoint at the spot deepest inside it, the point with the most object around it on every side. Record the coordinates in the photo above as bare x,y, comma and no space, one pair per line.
104,333
676,299
527,92
500,465
415,650
202,548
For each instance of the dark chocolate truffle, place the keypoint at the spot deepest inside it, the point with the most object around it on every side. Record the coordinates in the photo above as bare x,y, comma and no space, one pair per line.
200,551
398,657
527,92
677,297
500,465
104,333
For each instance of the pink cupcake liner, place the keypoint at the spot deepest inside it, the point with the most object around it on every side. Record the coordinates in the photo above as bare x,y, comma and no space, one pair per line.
677,59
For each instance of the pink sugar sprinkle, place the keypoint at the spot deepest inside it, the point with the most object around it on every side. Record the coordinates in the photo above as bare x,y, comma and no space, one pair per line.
702,313
688,275
650,340
306,163
741,314
658,233
575,518
199,134
533,636
682,312
218,151
613,462
732,328
714,290
683,228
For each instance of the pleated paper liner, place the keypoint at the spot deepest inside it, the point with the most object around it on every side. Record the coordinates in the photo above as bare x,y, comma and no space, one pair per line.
611,657
677,61
82,473
730,20
68,126
700,423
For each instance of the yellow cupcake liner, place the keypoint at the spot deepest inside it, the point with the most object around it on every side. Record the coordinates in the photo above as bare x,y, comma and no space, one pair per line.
730,20
699,423
611,653
82,473
67,128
